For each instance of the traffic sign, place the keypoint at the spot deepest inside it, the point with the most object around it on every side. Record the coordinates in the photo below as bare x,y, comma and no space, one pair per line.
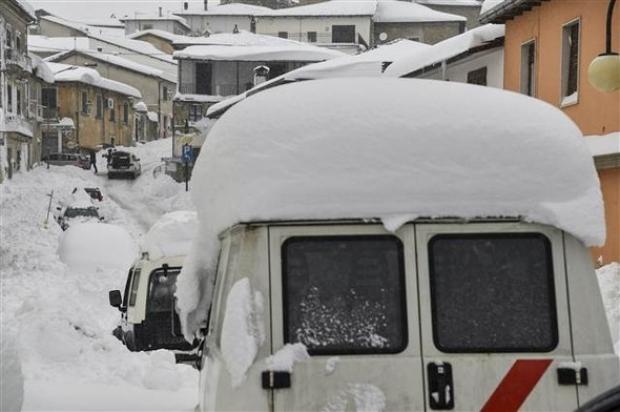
187,153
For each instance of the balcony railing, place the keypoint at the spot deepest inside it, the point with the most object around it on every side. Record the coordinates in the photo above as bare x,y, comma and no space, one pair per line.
16,124
12,58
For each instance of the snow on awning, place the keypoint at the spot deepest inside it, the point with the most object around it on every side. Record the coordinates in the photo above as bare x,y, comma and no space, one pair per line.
608,144
408,156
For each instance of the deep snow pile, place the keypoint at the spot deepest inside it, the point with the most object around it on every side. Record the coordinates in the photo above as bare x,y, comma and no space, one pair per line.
609,281
171,235
414,156
60,317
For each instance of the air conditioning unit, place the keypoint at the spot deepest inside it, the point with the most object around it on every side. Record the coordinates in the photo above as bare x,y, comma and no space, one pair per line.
110,103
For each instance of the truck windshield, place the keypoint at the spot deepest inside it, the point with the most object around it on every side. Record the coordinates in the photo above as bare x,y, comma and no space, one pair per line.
161,290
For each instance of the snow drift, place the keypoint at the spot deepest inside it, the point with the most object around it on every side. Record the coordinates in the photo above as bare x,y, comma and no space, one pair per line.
372,148
171,235
89,246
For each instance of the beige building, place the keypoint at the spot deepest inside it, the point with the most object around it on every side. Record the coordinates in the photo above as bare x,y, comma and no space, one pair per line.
157,88
83,110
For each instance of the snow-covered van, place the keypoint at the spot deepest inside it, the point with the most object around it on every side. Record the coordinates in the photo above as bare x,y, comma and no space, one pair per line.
396,244
149,320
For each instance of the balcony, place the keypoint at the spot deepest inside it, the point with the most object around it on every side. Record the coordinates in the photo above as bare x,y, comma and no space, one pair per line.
16,60
14,123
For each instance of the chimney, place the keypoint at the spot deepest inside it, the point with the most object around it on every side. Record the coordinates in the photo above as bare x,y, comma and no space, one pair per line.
160,12
205,4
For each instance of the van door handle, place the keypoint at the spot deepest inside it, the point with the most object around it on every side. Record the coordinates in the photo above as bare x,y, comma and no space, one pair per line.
440,386
276,379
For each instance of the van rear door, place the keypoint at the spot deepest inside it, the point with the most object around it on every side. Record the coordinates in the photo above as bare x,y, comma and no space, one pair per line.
494,317
349,293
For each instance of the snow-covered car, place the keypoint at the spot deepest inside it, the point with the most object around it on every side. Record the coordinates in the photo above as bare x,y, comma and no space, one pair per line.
80,212
396,248
123,164
67,159
93,192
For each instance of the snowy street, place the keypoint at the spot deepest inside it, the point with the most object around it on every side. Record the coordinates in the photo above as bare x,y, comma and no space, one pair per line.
59,317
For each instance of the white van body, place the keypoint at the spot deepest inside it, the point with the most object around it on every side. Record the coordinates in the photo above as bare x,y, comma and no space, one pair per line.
387,244
482,379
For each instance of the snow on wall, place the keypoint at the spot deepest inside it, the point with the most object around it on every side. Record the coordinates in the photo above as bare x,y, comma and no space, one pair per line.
242,329
373,147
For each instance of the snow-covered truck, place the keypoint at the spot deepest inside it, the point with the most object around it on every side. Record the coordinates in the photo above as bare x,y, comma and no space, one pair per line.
396,244
149,320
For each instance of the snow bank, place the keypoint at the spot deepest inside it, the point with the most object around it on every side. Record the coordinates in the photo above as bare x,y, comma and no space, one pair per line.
242,330
171,235
609,282
11,379
97,245
413,155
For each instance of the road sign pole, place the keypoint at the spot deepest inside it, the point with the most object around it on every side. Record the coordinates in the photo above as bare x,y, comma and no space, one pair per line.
186,176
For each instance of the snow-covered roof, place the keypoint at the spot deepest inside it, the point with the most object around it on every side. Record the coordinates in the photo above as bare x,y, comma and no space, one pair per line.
70,73
152,116
116,61
166,35
140,107
330,8
246,46
445,49
140,47
398,11
198,98
487,5
460,3
26,7
381,148
43,44
41,69
230,9
102,22
156,17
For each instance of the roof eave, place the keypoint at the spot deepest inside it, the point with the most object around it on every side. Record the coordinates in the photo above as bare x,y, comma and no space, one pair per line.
508,10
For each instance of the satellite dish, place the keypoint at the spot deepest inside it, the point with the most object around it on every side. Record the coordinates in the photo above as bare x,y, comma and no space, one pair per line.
383,36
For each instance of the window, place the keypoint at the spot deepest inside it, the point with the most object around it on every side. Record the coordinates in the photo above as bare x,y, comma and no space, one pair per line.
9,98
195,112
84,102
528,68
18,42
344,294
570,62
147,26
343,34
161,290
127,284
18,100
312,37
133,293
492,293
203,78
125,113
112,116
478,76
164,93
99,109
283,34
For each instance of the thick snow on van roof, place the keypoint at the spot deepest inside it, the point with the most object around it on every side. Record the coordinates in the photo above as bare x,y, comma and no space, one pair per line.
394,149
171,235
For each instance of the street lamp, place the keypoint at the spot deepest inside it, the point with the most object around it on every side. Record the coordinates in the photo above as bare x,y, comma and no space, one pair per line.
604,71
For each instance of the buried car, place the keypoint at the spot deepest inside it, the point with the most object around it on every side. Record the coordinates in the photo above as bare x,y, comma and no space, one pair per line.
123,164
430,256
79,211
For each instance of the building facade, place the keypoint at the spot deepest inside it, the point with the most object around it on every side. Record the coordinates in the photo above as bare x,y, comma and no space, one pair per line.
548,49
18,134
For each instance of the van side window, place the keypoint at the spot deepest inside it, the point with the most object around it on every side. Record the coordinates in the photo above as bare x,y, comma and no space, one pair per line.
133,293
126,292
492,293
344,294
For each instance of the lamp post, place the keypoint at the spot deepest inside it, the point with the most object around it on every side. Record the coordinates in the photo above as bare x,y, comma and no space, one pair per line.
604,71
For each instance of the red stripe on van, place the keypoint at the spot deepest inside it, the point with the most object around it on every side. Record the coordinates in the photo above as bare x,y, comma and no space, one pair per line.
516,385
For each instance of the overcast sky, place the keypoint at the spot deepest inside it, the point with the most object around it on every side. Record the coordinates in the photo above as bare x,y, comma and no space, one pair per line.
93,9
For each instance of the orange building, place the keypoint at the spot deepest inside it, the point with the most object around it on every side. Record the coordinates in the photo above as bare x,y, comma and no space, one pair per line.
548,48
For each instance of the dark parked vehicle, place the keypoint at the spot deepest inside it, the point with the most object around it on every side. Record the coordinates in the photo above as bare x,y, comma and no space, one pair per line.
78,213
67,159
123,164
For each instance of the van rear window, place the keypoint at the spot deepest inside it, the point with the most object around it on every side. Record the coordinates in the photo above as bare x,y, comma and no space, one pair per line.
162,286
492,293
345,294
